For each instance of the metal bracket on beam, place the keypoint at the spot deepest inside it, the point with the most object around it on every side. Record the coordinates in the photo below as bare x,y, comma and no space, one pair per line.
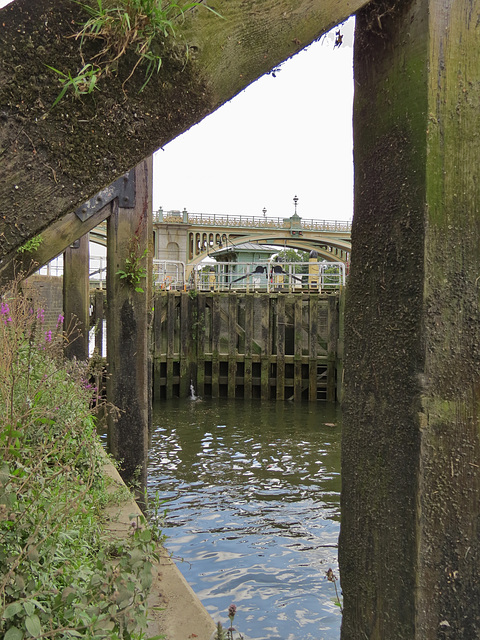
123,189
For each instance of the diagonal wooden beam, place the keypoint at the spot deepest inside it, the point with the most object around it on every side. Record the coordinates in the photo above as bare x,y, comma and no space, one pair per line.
53,159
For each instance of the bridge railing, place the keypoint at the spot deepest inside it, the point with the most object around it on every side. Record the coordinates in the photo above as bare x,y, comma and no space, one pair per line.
257,222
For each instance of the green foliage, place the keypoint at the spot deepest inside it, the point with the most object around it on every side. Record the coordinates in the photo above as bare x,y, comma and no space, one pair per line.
138,26
60,577
30,245
134,272
295,255
84,82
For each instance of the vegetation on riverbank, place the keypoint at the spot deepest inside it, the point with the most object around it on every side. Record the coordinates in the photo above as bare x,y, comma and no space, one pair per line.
60,577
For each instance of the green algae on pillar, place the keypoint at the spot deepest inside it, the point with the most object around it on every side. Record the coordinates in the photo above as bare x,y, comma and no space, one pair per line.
409,544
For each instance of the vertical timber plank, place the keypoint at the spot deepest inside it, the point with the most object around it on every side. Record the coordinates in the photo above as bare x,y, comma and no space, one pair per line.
297,332
76,298
265,346
312,346
171,303
332,347
186,319
409,544
232,344
129,232
247,378
280,392
216,320
200,337
98,318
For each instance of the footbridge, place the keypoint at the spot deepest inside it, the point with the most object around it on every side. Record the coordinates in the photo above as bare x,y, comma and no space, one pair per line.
191,237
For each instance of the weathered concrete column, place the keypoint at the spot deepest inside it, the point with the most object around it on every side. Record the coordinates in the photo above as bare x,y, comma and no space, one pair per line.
76,298
129,233
409,545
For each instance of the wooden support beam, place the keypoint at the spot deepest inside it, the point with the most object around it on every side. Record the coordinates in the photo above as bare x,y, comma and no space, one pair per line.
185,337
247,377
200,339
265,343
129,232
55,159
281,348
409,543
171,321
216,320
232,344
76,298
312,346
98,319
297,332
332,336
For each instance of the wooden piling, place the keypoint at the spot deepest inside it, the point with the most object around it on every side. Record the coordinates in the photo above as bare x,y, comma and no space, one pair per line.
98,319
128,233
237,345
76,298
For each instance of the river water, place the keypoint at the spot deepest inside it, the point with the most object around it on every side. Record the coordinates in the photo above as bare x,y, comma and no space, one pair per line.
253,492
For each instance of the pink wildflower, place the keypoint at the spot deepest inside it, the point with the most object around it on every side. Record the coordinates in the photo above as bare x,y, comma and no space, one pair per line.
41,315
48,336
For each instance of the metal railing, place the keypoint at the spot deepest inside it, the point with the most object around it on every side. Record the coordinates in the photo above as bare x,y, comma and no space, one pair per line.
256,222
269,276
97,270
169,274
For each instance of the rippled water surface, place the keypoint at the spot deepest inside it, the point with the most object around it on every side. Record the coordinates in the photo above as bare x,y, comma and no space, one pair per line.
254,510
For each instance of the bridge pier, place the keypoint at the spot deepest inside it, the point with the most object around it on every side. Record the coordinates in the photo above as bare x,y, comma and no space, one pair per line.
410,539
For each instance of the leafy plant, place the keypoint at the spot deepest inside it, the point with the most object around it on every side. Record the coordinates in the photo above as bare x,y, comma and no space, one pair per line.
31,245
128,25
60,576
134,272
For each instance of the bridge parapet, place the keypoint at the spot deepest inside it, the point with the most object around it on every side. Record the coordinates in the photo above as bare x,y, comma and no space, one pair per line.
252,222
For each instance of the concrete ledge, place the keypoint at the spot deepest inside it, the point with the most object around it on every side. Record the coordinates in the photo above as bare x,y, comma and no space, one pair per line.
174,609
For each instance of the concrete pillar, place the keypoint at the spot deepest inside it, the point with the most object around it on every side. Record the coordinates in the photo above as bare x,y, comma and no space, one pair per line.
129,233
76,298
409,544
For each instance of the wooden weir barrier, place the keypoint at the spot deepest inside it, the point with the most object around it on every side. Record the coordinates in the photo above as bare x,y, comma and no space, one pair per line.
248,345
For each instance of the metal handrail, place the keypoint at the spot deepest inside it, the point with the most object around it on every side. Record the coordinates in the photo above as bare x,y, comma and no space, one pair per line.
257,222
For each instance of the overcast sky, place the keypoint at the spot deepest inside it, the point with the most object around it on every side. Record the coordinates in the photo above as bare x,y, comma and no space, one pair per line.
283,136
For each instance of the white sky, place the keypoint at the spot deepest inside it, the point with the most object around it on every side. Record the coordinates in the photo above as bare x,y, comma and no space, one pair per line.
283,136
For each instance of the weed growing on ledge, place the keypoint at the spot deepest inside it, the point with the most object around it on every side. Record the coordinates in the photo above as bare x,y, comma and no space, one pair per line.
139,26
133,271
59,576
31,245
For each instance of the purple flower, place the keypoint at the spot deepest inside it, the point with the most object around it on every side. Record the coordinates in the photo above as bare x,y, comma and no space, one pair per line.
41,315
4,309
48,336
60,320
232,610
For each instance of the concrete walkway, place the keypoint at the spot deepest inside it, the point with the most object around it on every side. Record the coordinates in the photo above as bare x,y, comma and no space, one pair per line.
174,610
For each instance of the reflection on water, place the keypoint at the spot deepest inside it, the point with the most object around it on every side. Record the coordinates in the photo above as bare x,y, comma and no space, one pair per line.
254,509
